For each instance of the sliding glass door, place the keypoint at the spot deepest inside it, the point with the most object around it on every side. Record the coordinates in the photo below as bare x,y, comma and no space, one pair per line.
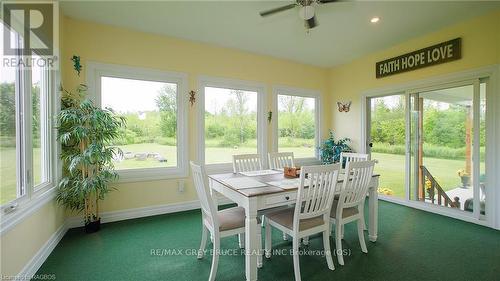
449,144
430,144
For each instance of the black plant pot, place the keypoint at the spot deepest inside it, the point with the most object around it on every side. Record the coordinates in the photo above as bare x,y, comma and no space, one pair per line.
93,226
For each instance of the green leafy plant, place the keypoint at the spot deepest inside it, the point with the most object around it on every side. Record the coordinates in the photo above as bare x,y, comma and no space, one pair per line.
330,149
86,133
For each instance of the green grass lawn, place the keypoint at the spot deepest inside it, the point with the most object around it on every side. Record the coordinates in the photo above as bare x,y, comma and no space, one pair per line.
8,172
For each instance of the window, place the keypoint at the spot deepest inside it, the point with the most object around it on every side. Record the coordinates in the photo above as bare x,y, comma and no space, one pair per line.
27,149
297,122
154,140
231,113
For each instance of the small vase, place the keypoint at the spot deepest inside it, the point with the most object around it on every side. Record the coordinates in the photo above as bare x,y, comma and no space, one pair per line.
465,181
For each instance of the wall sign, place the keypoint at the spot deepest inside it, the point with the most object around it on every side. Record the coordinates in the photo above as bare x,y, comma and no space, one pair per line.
436,54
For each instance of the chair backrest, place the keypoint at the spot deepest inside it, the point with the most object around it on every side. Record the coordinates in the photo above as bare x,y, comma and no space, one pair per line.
278,160
208,208
317,198
346,157
246,163
356,183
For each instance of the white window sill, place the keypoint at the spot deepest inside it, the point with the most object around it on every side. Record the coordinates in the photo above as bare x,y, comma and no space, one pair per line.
25,209
151,174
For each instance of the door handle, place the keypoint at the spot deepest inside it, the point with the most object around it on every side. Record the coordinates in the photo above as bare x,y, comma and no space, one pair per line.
370,144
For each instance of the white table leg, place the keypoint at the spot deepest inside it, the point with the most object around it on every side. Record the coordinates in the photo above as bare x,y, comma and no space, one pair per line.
251,249
373,205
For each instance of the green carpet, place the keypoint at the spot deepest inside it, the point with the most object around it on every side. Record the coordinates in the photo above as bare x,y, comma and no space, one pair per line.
412,245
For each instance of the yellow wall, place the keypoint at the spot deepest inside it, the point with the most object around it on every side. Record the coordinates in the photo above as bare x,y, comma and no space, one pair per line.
20,244
480,47
107,44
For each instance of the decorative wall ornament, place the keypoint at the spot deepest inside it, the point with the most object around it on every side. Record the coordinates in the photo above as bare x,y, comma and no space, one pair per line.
192,97
344,107
269,116
76,64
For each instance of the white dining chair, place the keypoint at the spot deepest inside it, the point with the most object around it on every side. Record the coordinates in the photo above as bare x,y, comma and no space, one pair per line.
311,213
346,157
220,224
351,202
278,160
246,163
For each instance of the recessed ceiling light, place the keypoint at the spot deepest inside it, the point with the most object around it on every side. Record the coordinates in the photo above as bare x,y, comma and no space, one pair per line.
375,20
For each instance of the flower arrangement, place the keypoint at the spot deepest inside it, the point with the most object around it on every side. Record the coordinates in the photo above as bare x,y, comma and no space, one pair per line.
462,173
428,184
385,191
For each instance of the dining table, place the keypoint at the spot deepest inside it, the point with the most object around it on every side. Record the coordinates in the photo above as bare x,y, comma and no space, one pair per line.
265,189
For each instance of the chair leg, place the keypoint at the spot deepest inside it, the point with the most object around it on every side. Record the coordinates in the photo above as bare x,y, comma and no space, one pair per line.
362,212
338,242
259,247
215,258
285,237
203,243
296,265
361,236
268,240
328,252
241,240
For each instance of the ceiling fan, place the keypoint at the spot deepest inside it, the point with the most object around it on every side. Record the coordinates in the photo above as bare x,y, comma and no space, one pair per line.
306,10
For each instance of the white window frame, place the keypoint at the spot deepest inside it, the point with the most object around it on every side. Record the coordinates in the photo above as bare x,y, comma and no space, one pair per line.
298,92
97,70
34,196
216,82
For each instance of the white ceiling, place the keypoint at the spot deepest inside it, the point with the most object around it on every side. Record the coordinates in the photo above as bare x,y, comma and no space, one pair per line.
344,32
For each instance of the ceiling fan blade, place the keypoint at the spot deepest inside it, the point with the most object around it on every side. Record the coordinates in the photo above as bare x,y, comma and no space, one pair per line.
327,1
311,23
277,10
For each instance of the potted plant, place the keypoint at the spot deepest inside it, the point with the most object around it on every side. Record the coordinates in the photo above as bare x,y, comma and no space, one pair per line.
330,149
464,177
85,133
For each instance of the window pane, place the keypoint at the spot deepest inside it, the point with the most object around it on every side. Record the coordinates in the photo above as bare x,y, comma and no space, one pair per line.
230,124
8,133
150,137
482,148
296,125
38,105
387,134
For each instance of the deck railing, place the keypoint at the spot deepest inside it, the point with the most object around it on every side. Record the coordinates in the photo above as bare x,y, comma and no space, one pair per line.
442,198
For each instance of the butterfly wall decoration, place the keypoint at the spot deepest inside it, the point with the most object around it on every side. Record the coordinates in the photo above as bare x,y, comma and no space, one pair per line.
344,107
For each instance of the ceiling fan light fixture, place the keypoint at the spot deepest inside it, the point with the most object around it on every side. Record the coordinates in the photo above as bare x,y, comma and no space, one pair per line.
306,12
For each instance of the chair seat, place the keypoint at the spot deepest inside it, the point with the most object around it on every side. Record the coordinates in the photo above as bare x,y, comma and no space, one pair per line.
347,212
232,218
284,217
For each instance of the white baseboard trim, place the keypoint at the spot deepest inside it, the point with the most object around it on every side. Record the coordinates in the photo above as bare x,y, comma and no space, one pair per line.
440,210
134,213
43,253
